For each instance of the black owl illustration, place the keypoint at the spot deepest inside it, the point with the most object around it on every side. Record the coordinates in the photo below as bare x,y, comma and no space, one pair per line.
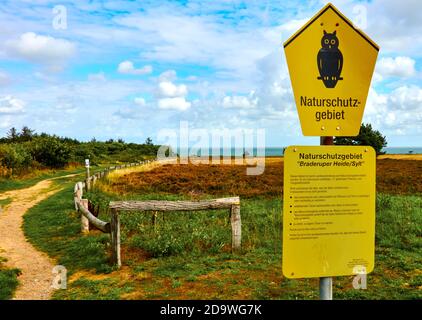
330,60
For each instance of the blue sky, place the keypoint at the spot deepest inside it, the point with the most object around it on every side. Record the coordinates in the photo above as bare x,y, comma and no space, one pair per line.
128,69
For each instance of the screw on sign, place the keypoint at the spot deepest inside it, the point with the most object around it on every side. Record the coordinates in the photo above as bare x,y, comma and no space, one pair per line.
331,64
329,192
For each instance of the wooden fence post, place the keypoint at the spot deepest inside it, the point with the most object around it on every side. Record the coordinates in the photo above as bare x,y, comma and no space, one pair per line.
154,219
84,220
236,227
77,194
115,238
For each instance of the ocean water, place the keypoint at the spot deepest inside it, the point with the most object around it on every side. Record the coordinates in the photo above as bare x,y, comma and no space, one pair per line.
278,151
403,150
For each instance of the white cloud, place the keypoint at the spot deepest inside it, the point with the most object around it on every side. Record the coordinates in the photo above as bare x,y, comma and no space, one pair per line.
140,101
127,67
10,105
171,96
41,49
100,76
396,112
168,89
394,25
178,103
406,98
169,75
396,67
200,39
240,102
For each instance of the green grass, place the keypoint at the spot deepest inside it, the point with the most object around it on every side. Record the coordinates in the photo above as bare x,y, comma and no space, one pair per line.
8,281
21,183
17,183
4,202
54,227
187,255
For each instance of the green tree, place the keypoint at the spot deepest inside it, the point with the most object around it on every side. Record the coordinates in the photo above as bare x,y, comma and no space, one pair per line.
367,137
148,141
12,134
51,152
15,157
26,134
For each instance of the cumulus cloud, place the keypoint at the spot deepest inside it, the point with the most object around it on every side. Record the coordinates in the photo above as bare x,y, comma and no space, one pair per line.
140,101
10,105
167,89
127,67
396,112
396,67
407,98
178,103
169,95
41,49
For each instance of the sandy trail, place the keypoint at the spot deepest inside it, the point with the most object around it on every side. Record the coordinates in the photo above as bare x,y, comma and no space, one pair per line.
36,267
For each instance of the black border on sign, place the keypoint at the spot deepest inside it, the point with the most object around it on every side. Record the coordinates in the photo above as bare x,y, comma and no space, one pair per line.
330,6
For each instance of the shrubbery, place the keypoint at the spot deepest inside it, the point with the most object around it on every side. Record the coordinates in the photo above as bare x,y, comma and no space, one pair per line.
51,152
25,150
15,157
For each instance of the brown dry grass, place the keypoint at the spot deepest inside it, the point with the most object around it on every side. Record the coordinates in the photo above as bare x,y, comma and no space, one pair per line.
399,176
197,180
393,176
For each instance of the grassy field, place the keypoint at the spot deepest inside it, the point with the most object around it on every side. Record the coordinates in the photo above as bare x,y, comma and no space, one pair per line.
37,176
34,178
393,177
8,280
187,255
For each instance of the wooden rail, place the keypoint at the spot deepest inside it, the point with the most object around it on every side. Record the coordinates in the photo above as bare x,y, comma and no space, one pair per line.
154,205
82,206
113,227
158,205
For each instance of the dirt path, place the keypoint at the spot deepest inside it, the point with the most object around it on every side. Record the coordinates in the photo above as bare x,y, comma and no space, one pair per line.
36,267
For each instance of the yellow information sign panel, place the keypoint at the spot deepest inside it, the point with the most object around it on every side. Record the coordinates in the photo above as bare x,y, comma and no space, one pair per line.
331,65
328,211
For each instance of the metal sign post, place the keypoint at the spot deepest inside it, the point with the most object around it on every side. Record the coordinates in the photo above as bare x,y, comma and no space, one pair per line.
326,283
326,288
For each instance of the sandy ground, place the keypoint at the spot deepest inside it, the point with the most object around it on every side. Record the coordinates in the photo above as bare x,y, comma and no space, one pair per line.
36,267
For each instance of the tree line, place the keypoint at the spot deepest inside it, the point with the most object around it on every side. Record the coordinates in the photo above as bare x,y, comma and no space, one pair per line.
21,151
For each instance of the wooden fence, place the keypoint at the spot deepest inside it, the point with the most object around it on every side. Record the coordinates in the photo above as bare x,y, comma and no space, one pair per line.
82,204
155,205
113,227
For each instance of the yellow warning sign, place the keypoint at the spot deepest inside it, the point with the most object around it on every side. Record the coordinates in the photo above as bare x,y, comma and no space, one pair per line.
328,211
331,63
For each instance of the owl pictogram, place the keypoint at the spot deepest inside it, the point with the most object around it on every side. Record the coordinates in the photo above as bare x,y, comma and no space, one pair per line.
330,60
